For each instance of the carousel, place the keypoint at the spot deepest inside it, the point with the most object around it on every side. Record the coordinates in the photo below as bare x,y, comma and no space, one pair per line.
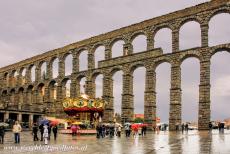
85,109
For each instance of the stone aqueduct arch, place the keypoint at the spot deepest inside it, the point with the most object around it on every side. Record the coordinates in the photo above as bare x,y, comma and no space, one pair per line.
150,59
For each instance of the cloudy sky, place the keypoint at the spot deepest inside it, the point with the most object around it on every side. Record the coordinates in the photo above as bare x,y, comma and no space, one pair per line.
29,27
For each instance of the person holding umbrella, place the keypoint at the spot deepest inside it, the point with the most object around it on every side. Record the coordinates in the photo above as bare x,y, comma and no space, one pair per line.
74,130
127,129
55,129
111,130
35,132
143,129
135,129
49,131
54,124
2,131
42,123
41,128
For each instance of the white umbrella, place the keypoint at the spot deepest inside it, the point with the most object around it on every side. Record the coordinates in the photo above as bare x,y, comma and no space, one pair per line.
127,123
4,124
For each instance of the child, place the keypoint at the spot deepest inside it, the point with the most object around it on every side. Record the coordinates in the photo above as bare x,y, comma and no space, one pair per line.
46,134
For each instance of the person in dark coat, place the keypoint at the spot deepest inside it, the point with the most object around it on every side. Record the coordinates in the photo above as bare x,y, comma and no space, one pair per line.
143,130
100,131
182,128
130,129
35,132
41,127
210,126
55,129
2,134
219,126
222,127
97,129
111,130
49,131
186,127
103,131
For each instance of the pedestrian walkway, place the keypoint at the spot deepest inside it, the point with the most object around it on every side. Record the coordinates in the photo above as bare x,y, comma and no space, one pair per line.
193,142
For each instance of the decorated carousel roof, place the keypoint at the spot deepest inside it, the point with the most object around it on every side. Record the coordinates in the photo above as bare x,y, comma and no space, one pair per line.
83,103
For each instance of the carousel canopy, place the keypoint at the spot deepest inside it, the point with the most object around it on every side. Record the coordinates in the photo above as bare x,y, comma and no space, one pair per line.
73,106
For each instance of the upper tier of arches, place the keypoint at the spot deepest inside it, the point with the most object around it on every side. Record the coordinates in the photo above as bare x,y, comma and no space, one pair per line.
85,58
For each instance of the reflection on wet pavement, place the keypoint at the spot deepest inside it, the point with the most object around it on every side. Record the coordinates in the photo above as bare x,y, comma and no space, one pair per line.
192,142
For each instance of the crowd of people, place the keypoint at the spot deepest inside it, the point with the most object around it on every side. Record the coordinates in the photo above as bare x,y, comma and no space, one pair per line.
113,130
183,127
102,131
220,126
45,132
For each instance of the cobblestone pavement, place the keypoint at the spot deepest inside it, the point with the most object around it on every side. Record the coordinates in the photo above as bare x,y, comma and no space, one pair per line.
193,142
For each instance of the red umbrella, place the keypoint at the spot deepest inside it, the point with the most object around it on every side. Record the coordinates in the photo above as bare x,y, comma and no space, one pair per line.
54,122
135,126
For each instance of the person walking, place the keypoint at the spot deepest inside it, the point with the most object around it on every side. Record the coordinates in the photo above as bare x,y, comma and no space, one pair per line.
55,129
16,130
186,127
41,128
100,131
111,130
103,131
119,131
35,132
130,130
222,127
135,132
2,134
127,130
143,130
219,127
210,126
49,131
182,127
97,129
46,134
74,130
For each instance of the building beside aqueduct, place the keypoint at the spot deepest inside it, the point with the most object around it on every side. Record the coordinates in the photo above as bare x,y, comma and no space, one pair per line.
26,100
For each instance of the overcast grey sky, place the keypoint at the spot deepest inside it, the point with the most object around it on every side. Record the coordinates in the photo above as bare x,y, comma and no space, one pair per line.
29,27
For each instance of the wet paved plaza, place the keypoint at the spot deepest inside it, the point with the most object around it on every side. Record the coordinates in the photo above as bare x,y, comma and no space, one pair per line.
193,142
